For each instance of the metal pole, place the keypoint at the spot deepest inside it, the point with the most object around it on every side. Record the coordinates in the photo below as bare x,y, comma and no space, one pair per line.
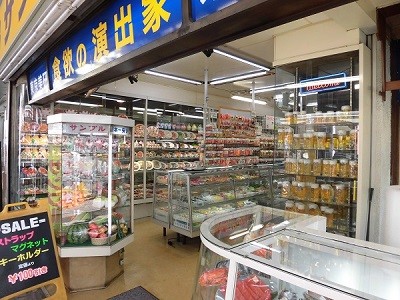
350,83
145,150
296,80
205,108
253,96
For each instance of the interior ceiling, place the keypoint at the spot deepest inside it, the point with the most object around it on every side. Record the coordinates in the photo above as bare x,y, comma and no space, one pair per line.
259,46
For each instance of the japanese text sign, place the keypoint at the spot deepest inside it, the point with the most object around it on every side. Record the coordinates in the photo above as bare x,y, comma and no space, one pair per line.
324,84
79,128
27,252
203,8
14,14
123,26
38,81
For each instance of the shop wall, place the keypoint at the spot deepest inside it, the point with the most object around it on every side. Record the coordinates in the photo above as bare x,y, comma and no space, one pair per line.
179,95
308,42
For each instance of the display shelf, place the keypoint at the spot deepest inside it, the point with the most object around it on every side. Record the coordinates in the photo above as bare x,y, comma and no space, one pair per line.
87,184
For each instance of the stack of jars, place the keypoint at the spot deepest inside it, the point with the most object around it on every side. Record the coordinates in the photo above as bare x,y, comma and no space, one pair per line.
285,138
327,167
338,193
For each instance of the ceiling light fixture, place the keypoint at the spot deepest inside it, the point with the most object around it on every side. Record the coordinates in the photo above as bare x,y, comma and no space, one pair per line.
173,77
246,61
271,88
192,116
79,103
245,99
150,113
238,77
108,98
314,103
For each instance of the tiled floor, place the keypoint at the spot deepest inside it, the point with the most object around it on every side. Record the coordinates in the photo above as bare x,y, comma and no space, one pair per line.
168,272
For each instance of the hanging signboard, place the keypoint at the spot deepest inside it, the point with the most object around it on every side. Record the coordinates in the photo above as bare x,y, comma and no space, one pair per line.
120,28
204,8
323,84
14,15
28,256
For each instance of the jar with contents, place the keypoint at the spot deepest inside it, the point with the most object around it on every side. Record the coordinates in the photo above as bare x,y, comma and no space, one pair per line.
313,209
315,192
288,166
289,119
295,117
353,169
352,140
294,168
289,207
328,142
335,143
300,166
326,167
328,213
300,208
301,191
308,190
326,193
333,168
344,167
318,117
281,138
301,117
322,210
307,169
320,140
297,141
330,117
341,143
317,167
288,138
294,190
285,192
308,140
341,193
346,112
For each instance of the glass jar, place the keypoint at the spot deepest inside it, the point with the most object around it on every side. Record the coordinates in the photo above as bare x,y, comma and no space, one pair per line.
281,138
352,139
313,209
335,140
300,166
295,117
353,169
333,168
320,140
330,117
315,192
326,193
285,192
288,166
300,208
318,117
289,119
307,167
341,143
328,213
294,168
297,141
344,167
301,191
317,167
308,190
341,193
288,138
289,207
308,140
302,117
294,190
326,168
322,210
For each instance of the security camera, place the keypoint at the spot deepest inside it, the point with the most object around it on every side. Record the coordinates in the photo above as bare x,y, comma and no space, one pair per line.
133,78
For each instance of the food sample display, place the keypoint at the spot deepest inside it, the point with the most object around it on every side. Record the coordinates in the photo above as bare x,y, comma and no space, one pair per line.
273,255
196,195
321,166
32,183
89,179
231,141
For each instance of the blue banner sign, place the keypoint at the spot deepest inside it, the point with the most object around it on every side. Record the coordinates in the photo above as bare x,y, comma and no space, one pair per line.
323,84
123,26
203,8
38,80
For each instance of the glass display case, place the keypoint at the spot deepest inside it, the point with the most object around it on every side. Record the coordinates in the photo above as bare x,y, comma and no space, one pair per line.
295,261
89,181
196,195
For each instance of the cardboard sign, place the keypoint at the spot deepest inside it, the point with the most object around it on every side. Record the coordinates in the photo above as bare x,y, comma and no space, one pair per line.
28,256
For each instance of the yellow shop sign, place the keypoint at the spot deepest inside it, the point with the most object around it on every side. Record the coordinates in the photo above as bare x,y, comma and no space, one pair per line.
13,16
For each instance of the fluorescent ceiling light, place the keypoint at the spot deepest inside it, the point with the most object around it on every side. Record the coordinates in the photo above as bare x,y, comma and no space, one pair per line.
246,61
314,103
108,98
122,108
150,113
173,77
143,109
171,111
191,116
198,108
271,88
357,86
245,99
79,103
238,77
